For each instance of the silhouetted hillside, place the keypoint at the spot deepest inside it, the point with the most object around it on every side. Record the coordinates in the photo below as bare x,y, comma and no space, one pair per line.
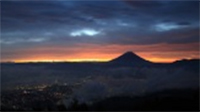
180,100
192,64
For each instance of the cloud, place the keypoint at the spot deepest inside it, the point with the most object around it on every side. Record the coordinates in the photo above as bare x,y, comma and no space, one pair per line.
144,4
57,23
169,26
20,40
184,23
86,32
90,91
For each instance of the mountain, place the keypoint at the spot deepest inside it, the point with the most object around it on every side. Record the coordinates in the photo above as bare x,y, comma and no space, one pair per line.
130,59
188,64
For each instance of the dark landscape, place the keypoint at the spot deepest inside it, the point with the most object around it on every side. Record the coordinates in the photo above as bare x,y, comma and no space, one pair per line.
125,83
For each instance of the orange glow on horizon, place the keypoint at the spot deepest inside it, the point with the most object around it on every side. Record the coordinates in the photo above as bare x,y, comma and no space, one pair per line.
163,52
99,59
69,60
161,60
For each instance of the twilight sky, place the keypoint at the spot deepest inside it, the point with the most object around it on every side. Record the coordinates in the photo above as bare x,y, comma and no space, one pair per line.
159,31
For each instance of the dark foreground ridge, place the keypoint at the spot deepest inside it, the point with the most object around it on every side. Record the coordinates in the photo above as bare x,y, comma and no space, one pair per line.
166,100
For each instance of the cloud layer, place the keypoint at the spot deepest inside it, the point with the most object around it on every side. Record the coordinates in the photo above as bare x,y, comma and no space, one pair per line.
64,24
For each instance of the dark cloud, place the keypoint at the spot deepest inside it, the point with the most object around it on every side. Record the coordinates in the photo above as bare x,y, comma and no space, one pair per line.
30,14
32,23
144,4
184,23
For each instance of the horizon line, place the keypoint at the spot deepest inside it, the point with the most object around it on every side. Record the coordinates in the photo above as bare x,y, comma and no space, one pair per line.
85,61
79,60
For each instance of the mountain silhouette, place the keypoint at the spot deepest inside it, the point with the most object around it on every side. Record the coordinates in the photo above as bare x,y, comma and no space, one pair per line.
130,59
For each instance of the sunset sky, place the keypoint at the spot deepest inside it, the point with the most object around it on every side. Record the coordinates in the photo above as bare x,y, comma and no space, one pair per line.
159,31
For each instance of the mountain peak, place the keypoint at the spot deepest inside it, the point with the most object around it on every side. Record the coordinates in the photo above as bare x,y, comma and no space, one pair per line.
130,53
129,58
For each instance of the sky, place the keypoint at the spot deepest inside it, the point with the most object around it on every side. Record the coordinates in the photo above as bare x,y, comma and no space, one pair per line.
64,30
